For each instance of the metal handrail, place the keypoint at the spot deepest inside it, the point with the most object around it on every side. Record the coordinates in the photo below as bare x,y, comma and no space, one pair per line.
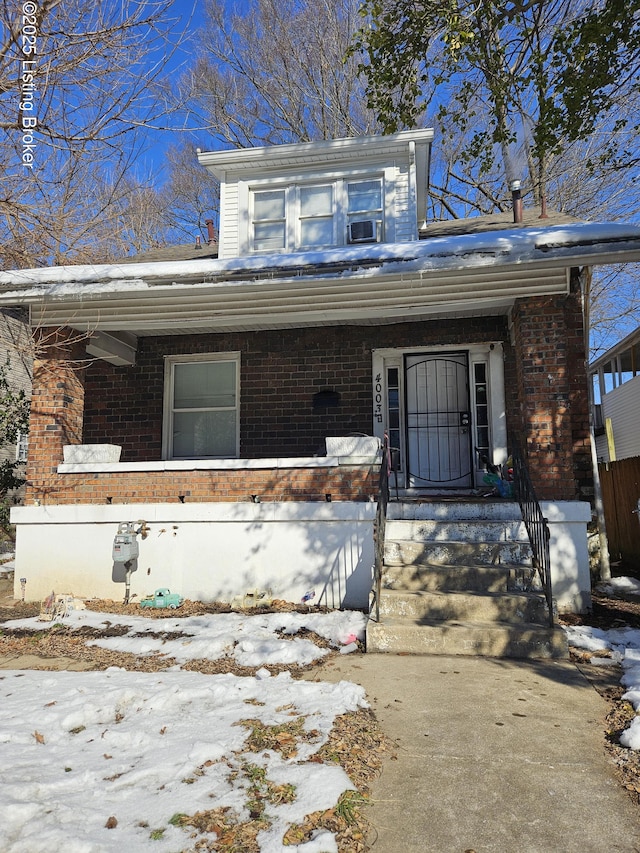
380,524
536,524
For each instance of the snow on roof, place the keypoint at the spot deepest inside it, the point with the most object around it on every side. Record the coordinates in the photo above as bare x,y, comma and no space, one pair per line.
565,245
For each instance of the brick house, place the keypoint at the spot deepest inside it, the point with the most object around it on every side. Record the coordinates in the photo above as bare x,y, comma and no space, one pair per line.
332,311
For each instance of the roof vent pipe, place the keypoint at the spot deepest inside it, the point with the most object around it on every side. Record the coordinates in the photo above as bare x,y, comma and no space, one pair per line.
211,233
516,195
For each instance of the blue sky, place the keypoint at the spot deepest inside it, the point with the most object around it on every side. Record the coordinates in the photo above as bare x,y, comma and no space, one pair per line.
188,18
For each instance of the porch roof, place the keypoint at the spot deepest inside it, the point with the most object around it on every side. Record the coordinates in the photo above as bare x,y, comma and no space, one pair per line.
453,275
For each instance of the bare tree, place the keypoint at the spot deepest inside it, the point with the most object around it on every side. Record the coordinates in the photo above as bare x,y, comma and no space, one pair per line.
190,196
265,73
277,71
614,305
81,87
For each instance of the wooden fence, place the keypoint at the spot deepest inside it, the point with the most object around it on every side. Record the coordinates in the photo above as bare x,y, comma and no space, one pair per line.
620,494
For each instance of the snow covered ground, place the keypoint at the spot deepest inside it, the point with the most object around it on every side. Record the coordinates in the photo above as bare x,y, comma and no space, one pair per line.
623,645
108,761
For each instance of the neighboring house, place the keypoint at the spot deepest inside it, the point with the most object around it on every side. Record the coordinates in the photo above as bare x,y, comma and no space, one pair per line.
16,359
615,378
332,311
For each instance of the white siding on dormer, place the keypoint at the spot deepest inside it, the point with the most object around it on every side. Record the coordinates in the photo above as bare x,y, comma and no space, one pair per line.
229,238
403,210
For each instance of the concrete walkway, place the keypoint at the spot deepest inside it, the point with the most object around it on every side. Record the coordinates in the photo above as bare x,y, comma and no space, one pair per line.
493,756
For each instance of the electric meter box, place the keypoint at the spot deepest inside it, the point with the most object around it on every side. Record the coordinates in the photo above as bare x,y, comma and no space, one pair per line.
125,547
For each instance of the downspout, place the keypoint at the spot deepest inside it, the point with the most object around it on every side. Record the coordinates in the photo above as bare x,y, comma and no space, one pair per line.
605,565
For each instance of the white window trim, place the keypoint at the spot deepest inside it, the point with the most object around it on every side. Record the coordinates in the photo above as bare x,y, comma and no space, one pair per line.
341,217
284,221
167,415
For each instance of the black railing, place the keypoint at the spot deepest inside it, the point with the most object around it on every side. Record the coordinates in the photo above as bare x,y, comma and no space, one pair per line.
536,524
380,526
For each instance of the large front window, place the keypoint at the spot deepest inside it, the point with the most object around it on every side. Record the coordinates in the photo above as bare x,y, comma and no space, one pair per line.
201,407
299,217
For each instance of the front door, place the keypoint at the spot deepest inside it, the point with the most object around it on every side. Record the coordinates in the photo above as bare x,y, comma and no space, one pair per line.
438,421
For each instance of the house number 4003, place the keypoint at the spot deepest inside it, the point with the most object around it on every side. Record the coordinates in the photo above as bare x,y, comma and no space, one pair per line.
377,409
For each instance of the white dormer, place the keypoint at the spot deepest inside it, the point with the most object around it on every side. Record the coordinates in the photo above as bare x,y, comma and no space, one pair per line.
319,195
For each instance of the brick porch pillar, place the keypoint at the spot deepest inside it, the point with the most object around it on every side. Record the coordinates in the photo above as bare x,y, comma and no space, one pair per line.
57,407
549,348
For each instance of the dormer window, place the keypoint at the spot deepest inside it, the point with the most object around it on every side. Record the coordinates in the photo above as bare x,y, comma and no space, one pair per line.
269,220
301,217
317,215
365,200
314,196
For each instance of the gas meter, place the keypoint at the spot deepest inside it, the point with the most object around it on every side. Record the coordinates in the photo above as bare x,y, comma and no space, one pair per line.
125,544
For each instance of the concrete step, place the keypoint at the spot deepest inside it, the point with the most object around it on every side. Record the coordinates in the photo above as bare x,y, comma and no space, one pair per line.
460,509
461,530
466,638
457,581
457,578
419,605
404,552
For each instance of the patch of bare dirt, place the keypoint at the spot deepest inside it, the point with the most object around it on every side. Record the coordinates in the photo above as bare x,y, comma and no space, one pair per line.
59,642
192,608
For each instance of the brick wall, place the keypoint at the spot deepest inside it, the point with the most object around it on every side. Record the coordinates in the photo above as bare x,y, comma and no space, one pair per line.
548,414
57,405
281,371
353,483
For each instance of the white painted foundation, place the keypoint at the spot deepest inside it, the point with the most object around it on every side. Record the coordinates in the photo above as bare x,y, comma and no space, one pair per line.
204,551
569,553
216,551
